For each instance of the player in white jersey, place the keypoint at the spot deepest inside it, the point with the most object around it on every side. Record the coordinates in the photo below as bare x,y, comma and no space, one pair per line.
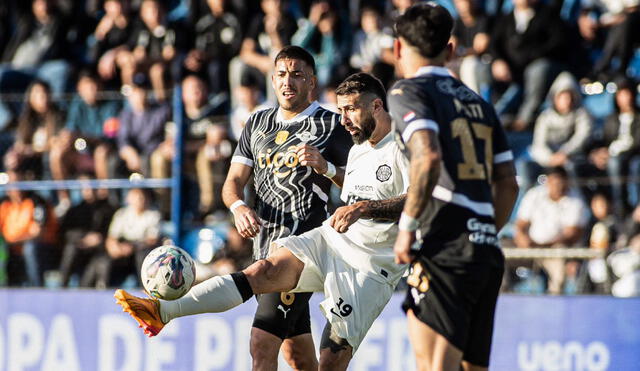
349,257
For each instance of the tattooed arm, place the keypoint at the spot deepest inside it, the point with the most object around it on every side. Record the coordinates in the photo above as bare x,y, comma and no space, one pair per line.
383,210
424,172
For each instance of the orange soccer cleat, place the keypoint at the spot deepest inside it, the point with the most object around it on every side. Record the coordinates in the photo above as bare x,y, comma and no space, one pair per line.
145,311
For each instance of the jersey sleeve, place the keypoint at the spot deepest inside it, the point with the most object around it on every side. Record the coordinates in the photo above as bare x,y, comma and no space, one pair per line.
243,153
339,144
409,110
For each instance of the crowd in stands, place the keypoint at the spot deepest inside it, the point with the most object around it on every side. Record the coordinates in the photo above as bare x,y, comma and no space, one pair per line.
87,91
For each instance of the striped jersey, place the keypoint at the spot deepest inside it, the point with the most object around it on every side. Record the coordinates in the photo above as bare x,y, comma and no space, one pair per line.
290,198
471,140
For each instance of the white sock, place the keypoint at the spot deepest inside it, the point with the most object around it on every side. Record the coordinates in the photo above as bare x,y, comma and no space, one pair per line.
217,294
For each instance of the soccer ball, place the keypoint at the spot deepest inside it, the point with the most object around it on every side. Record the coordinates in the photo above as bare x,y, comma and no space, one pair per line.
168,272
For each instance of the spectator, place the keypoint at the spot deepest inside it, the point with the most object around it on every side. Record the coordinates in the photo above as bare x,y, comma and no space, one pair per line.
249,100
141,128
561,131
212,164
528,46
29,228
36,50
86,144
83,230
199,115
602,235
267,34
399,7
38,128
373,48
325,37
110,38
551,215
471,41
217,41
617,152
621,41
154,44
133,232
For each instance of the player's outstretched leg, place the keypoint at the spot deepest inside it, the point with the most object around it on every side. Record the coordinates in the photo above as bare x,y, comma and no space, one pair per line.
279,272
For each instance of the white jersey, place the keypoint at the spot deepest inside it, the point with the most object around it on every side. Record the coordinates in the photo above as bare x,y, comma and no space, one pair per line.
356,269
377,172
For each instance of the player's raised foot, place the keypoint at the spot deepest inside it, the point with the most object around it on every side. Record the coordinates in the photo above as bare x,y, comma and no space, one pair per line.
145,311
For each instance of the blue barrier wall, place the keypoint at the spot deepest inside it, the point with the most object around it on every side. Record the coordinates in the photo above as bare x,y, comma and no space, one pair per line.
85,330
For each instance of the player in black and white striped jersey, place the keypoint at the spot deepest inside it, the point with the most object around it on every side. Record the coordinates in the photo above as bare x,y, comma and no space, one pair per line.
291,198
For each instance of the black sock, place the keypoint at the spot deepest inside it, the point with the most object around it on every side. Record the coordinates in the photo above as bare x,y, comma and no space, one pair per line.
241,281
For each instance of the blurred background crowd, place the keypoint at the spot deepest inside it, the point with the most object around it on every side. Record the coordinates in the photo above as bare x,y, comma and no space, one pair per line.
90,90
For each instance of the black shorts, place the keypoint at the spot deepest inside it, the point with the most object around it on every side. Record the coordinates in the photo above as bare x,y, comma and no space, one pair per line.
284,315
457,299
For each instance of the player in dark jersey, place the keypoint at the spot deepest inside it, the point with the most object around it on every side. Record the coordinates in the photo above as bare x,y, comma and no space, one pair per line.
462,184
290,198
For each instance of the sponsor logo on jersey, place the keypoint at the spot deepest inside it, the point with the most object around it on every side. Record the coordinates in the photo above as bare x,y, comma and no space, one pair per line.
383,173
482,233
306,136
281,136
278,160
364,188
461,92
409,116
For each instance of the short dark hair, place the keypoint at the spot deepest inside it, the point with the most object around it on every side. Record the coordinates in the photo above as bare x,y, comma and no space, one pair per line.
360,83
89,74
296,52
557,171
426,26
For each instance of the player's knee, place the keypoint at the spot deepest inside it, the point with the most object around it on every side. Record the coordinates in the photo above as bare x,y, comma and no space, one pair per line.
264,271
299,360
263,351
260,270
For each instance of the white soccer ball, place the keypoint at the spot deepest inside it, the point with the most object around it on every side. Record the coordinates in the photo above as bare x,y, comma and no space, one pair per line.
168,272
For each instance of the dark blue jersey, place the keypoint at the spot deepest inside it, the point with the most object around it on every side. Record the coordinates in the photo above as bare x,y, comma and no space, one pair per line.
470,136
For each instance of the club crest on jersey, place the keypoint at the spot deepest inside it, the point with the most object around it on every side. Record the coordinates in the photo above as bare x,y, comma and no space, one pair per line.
281,136
409,116
383,173
306,136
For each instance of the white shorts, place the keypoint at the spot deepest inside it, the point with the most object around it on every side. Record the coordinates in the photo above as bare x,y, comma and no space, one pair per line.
352,299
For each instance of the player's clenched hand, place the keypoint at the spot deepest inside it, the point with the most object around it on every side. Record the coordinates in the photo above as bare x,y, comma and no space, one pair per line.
310,156
344,217
402,248
247,221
